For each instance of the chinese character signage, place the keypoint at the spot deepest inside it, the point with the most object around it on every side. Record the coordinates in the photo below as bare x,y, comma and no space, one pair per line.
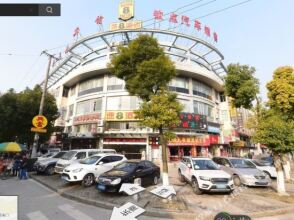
186,140
126,10
129,25
39,121
87,119
193,121
120,116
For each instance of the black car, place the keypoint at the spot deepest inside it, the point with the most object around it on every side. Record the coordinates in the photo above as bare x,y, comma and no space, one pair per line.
144,171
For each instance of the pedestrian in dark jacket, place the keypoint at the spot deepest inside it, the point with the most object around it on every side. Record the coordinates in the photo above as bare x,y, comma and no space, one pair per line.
24,168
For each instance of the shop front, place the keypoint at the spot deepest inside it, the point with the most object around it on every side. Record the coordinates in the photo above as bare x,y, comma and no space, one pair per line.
185,146
131,147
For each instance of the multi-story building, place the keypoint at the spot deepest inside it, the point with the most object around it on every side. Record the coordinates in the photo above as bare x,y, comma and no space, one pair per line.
97,111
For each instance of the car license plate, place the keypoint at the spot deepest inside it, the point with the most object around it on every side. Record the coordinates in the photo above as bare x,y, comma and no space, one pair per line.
221,186
101,187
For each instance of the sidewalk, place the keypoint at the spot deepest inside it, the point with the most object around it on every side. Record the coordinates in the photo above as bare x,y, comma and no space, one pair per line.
255,202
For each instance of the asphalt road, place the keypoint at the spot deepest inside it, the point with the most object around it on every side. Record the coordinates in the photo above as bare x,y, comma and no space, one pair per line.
39,203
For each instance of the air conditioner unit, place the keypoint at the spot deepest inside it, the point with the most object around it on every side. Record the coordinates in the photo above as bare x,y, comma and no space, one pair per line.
99,130
100,123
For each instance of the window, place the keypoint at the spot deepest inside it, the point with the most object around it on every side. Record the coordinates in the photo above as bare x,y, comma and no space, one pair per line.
91,86
203,109
114,83
89,106
65,92
224,115
123,103
115,125
86,128
93,153
106,159
222,97
116,158
186,105
70,110
62,112
225,162
81,155
200,89
179,84
72,91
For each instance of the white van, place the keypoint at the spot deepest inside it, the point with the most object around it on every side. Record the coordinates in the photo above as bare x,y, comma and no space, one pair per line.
74,156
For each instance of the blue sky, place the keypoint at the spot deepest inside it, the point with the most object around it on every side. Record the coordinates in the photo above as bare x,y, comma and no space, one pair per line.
259,33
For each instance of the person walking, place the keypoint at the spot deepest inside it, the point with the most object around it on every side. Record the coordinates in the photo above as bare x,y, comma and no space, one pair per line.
24,168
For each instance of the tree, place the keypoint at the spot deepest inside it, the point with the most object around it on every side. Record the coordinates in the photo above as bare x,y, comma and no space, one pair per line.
17,111
281,91
143,66
278,135
147,71
161,112
241,85
281,100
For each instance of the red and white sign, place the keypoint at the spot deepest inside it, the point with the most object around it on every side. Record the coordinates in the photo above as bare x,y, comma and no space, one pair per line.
87,119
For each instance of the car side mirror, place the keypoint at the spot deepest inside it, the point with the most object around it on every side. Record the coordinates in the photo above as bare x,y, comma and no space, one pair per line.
100,163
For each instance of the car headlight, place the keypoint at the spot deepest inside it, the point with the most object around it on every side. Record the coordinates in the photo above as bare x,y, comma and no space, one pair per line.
204,178
77,170
116,181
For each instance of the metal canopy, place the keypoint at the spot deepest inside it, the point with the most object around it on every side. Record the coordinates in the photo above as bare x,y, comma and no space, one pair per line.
180,47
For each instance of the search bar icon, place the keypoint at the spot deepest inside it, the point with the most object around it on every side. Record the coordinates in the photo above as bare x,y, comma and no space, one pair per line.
30,10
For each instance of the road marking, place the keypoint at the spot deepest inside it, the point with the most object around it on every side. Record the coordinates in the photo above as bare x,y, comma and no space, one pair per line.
37,216
74,213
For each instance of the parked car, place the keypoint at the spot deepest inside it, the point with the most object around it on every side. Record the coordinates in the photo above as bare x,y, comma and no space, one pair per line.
267,160
143,171
47,165
270,171
204,175
89,169
243,171
73,156
46,156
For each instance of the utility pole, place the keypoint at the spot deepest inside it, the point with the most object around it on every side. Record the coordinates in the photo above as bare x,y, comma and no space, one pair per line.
36,137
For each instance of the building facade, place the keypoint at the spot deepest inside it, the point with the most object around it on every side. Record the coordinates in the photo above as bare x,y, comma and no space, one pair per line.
97,111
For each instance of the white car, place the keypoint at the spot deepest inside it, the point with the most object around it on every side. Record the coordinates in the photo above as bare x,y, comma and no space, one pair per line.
89,169
270,171
74,156
204,175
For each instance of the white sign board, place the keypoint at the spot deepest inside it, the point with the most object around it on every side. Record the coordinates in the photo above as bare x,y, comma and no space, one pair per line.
128,211
131,189
164,191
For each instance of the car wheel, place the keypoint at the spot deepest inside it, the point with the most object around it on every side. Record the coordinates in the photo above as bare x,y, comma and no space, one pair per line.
50,170
182,178
88,180
237,180
155,179
196,188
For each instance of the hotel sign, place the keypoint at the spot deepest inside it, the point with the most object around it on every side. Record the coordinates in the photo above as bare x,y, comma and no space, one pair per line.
87,119
129,25
120,116
126,10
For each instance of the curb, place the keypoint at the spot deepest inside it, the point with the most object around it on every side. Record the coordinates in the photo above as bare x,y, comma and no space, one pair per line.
155,213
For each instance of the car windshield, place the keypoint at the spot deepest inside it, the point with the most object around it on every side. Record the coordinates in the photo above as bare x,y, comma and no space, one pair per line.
69,155
59,155
261,163
126,166
90,160
240,163
47,155
204,165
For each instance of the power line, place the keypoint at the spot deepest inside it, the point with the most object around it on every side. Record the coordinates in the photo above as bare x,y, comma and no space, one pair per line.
216,12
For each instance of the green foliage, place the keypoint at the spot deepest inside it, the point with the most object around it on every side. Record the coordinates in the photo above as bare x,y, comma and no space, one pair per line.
143,66
161,112
281,91
241,85
275,132
17,111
